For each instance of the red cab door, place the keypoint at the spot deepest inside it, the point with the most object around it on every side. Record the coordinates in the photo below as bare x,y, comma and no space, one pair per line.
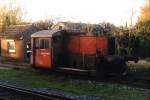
43,53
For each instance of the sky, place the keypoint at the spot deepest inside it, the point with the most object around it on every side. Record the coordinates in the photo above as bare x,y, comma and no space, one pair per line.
117,12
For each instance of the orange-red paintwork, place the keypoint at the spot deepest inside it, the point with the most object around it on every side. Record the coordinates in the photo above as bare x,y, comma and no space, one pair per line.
43,58
87,45
102,43
74,44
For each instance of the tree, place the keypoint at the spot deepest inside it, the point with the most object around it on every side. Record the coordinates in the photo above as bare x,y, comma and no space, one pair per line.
142,30
143,24
145,12
88,28
44,25
10,16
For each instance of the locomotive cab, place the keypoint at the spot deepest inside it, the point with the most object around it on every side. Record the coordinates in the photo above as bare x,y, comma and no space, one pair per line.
44,49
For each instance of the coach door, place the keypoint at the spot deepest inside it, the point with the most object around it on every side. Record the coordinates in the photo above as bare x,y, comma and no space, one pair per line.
43,52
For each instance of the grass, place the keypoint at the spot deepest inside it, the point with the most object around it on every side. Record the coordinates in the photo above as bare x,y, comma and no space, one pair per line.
35,79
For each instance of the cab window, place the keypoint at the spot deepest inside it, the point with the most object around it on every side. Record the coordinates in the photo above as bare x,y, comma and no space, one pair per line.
37,43
44,44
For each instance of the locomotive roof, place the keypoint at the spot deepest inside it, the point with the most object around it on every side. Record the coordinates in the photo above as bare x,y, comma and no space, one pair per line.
46,33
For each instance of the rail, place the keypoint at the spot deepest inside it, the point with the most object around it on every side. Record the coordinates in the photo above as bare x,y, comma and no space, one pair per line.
10,92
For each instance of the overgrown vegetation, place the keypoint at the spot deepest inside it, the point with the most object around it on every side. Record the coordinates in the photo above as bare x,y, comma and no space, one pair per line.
136,39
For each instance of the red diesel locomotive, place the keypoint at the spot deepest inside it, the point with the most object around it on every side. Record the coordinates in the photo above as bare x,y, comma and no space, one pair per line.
75,52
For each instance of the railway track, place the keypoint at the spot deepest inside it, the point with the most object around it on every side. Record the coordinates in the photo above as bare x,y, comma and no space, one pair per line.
130,80
10,92
11,65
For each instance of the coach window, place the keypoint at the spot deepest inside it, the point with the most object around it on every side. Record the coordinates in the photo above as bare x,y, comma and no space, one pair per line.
44,44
